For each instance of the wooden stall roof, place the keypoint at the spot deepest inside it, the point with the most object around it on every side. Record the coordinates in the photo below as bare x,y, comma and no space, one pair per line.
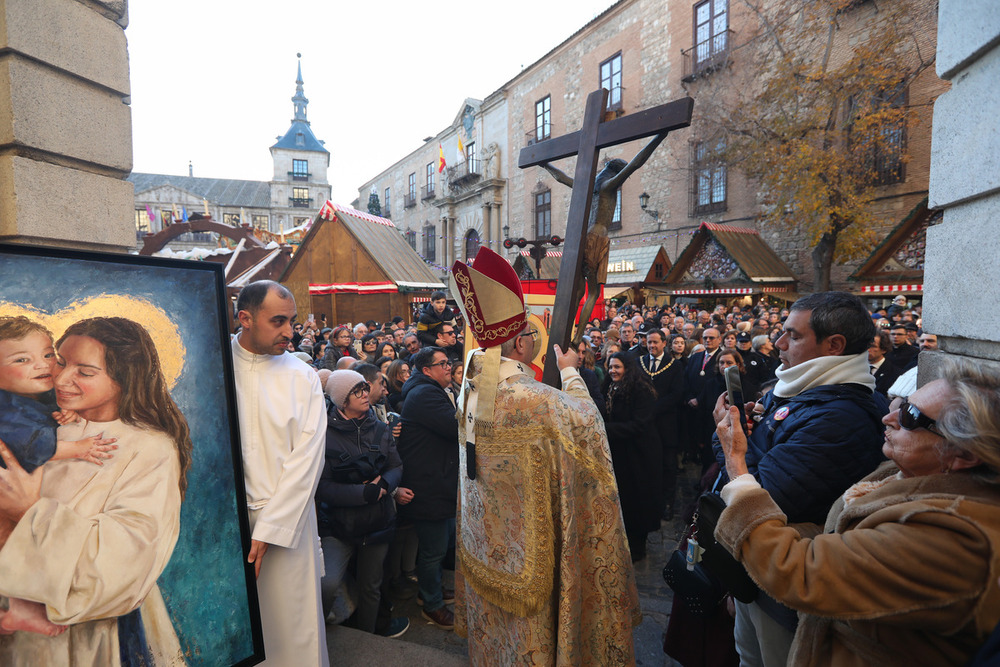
382,240
751,254
897,263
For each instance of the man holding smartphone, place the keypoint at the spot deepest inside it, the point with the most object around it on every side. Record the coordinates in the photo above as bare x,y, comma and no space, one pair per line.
821,431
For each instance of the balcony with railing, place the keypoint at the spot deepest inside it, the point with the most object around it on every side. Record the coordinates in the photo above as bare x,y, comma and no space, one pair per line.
708,56
300,202
427,192
409,200
538,134
299,175
468,170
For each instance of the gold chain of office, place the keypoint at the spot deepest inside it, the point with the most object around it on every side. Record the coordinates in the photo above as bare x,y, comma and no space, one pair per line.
653,374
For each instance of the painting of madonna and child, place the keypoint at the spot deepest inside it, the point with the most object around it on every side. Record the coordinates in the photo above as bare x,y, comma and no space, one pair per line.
122,520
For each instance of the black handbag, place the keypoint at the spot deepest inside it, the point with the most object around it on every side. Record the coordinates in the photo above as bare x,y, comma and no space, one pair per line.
715,558
699,590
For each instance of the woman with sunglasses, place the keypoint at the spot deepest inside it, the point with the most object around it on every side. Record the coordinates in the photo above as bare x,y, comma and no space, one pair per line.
357,514
904,570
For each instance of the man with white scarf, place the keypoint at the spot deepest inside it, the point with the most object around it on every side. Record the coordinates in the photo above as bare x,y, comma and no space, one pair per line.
820,432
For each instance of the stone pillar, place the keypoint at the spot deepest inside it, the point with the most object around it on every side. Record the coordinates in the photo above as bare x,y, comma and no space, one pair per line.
65,124
962,274
488,239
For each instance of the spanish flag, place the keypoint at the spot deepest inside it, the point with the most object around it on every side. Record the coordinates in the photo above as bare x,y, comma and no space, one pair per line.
461,148
441,164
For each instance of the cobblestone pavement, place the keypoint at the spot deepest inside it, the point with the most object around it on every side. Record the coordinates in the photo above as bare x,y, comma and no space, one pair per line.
654,595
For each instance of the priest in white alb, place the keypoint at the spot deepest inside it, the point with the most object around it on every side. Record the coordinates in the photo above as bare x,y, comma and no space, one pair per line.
282,433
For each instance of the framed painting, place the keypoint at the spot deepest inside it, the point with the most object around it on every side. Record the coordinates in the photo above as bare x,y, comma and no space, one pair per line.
123,528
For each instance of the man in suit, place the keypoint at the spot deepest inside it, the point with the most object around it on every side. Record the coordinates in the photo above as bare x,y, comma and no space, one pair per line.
699,366
667,377
903,355
885,371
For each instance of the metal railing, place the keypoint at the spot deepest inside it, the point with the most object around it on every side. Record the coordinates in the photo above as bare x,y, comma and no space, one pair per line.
409,200
299,202
708,56
427,192
464,170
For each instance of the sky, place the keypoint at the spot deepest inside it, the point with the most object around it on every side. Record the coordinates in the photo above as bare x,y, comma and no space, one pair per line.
212,80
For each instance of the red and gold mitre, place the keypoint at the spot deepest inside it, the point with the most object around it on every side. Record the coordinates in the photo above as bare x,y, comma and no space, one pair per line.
490,297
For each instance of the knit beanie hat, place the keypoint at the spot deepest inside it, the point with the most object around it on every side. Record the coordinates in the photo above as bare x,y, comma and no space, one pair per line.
340,383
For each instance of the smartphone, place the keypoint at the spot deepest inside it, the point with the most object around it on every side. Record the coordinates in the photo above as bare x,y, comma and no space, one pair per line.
734,389
393,418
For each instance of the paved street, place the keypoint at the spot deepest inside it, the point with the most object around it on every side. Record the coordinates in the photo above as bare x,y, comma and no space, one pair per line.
425,644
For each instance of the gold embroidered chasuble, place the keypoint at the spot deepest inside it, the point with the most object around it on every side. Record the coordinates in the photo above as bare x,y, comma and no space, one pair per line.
544,573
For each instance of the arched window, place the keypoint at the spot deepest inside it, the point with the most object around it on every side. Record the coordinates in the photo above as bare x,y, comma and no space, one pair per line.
471,245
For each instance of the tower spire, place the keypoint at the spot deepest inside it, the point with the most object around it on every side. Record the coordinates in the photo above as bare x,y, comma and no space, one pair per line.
299,101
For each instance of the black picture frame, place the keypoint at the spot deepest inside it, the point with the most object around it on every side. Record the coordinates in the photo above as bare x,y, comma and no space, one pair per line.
206,586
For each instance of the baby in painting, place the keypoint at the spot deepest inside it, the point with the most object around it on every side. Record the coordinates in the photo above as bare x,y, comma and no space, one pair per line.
28,421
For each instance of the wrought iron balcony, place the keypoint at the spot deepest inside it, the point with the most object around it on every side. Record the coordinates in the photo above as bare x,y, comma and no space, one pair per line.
409,200
300,202
538,134
299,176
427,192
464,171
704,58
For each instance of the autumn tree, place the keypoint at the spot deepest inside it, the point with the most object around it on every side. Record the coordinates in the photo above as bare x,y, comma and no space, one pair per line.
820,122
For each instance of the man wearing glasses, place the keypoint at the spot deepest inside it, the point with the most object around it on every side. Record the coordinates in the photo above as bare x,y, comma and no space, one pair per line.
428,446
700,367
820,433
546,575
446,337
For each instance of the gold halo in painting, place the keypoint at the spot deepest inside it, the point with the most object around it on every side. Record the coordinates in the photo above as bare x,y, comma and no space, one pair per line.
161,328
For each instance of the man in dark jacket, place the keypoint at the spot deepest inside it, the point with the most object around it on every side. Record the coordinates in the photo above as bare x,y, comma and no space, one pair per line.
428,446
820,433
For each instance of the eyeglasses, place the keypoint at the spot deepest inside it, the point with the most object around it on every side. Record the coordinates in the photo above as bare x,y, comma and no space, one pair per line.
709,337
448,333
442,364
911,418
532,333
361,390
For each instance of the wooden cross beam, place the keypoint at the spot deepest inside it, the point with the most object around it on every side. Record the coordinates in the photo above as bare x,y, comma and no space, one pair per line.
586,144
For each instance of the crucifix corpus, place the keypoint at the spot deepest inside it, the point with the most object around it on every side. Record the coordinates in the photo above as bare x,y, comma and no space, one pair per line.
586,144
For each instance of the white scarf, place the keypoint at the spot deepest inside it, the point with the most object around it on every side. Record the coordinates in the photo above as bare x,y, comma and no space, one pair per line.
822,371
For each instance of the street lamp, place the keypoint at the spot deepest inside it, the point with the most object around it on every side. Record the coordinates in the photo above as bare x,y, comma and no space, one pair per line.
506,231
537,251
643,203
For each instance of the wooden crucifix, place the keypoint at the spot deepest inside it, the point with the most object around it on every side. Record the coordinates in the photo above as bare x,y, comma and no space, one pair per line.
586,144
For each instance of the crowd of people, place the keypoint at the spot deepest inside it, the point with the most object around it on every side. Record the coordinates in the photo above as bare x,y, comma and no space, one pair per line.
818,379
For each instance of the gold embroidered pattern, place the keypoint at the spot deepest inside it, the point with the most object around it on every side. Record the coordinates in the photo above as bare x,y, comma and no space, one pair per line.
516,577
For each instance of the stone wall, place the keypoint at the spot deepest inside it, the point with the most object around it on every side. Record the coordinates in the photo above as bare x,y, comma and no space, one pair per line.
65,124
962,271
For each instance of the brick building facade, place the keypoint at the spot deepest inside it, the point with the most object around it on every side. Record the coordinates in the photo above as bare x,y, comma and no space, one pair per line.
646,52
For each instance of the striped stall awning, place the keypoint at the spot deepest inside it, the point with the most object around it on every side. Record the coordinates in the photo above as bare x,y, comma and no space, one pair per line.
888,289
420,299
387,287
548,253
734,290
770,289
